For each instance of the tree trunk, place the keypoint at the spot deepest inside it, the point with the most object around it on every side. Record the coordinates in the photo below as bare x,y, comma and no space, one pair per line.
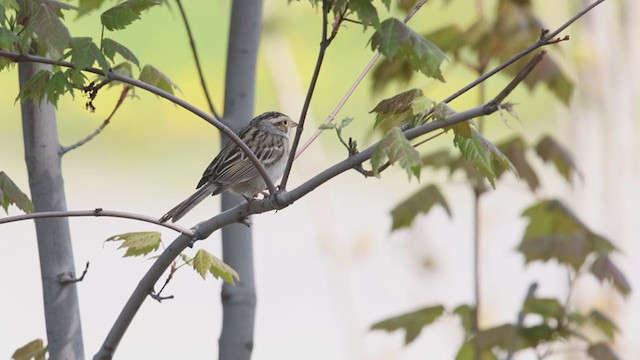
43,159
239,301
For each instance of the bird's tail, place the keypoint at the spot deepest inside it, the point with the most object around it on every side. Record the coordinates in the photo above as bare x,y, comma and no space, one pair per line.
184,207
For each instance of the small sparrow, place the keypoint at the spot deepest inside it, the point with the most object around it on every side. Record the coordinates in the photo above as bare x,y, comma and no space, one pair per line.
267,135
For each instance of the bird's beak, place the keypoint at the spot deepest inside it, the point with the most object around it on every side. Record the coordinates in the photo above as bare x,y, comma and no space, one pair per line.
292,124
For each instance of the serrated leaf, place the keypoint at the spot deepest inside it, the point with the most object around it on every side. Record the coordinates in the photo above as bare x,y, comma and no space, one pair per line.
395,147
483,155
205,262
155,77
10,194
420,202
412,322
138,243
549,150
33,350
605,270
111,47
123,14
398,109
8,39
84,53
396,38
515,149
43,19
36,87
603,323
554,232
57,86
75,77
601,351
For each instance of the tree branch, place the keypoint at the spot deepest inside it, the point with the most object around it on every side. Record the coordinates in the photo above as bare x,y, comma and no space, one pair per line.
97,213
196,58
97,131
324,44
114,76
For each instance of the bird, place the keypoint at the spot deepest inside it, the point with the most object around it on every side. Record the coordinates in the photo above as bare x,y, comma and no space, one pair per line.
267,135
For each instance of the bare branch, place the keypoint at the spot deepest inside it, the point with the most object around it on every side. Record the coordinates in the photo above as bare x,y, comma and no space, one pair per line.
104,124
97,213
196,58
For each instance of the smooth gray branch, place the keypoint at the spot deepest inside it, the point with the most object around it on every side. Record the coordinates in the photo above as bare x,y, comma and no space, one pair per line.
97,213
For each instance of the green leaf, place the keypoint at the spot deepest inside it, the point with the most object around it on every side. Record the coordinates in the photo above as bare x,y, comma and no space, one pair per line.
468,352
395,147
466,314
605,270
111,47
549,150
412,322
449,38
89,5
36,87
602,351
123,14
138,243
389,69
205,262
43,19
8,39
155,77
366,12
405,107
438,159
420,202
10,194
33,350
603,323
84,53
554,232
57,86
395,38
483,155
545,307
515,149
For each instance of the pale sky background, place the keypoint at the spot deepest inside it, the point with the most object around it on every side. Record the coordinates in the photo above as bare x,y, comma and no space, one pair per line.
327,267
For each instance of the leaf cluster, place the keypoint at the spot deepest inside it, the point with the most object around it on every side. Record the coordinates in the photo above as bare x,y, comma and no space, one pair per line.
36,26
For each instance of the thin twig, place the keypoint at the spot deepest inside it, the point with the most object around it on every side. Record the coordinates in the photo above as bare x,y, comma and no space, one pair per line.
114,76
71,279
104,124
520,322
97,213
196,58
324,44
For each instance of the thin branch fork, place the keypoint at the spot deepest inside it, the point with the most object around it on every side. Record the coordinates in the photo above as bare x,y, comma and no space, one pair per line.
114,76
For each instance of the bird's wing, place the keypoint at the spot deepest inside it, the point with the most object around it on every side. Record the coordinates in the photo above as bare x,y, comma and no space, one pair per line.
233,166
